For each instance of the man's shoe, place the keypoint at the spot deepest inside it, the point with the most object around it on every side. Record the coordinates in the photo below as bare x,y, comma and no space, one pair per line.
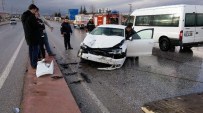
70,48
51,54
34,67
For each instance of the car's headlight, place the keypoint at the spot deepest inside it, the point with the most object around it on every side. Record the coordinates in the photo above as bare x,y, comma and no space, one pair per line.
116,51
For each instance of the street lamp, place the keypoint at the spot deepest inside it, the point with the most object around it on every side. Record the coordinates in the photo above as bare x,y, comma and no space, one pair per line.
130,8
2,5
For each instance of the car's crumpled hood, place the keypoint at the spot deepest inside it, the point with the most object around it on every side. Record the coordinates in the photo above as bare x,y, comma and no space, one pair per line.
102,41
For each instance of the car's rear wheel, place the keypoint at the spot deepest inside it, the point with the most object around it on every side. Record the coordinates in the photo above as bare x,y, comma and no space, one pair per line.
164,44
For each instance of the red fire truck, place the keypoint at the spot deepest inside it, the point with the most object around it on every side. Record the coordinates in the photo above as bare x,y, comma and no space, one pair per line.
106,18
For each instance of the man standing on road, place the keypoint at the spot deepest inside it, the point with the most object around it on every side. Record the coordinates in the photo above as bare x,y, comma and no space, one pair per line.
46,42
66,32
32,34
41,54
90,25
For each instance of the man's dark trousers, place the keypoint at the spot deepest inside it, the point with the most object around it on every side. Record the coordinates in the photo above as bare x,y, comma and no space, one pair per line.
67,41
46,43
33,53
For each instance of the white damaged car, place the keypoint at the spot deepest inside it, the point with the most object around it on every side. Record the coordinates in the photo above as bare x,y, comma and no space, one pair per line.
107,44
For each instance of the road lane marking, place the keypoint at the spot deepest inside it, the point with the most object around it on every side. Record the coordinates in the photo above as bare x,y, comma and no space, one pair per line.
9,66
94,97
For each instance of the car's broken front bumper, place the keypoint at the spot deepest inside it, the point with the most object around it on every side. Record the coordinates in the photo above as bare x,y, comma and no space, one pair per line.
103,59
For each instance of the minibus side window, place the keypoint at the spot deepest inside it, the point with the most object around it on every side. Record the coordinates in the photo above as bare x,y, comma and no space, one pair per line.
143,20
190,20
176,19
165,20
199,19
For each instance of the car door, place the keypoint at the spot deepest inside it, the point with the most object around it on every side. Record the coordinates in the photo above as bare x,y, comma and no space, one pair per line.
141,43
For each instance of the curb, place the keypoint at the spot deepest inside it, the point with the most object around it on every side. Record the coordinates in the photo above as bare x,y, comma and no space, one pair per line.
47,95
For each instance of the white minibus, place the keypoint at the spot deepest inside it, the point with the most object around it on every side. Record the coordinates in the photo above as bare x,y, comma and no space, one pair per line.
175,25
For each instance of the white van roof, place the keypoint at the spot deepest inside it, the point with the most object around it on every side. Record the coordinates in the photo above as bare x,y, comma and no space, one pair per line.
162,7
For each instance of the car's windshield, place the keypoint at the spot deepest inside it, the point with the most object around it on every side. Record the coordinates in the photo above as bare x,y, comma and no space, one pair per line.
108,31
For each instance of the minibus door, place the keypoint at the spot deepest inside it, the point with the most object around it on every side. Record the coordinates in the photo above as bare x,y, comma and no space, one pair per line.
199,24
189,29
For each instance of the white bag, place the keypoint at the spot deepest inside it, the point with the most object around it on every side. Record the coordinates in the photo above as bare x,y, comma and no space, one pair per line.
44,68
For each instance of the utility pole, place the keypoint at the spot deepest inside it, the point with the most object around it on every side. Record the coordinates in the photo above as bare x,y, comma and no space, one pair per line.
130,11
2,2
33,1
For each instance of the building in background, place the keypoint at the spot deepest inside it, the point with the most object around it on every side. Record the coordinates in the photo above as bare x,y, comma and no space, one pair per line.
4,16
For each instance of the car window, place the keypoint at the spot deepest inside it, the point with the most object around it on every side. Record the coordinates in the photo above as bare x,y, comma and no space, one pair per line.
12,20
108,31
199,19
97,31
117,32
145,34
136,36
190,20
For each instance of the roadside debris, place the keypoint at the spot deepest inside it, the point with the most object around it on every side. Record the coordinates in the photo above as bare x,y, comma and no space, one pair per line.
69,74
44,68
85,78
56,77
77,82
65,66
16,110
113,67
73,63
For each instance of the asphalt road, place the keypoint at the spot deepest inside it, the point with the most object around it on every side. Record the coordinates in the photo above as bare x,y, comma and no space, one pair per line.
13,61
125,90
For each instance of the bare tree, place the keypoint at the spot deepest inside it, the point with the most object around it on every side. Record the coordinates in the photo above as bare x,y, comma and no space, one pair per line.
92,9
84,10
81,10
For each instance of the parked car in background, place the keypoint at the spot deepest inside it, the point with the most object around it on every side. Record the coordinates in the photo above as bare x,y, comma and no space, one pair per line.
13,21
107,44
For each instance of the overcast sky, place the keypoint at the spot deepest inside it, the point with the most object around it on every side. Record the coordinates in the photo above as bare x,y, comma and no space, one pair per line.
51,6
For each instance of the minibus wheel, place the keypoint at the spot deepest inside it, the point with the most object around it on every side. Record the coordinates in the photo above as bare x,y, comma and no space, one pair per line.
164,44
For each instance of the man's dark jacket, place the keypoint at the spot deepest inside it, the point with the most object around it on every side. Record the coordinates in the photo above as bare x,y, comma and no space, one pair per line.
90,26
128,34
66,29
31,28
